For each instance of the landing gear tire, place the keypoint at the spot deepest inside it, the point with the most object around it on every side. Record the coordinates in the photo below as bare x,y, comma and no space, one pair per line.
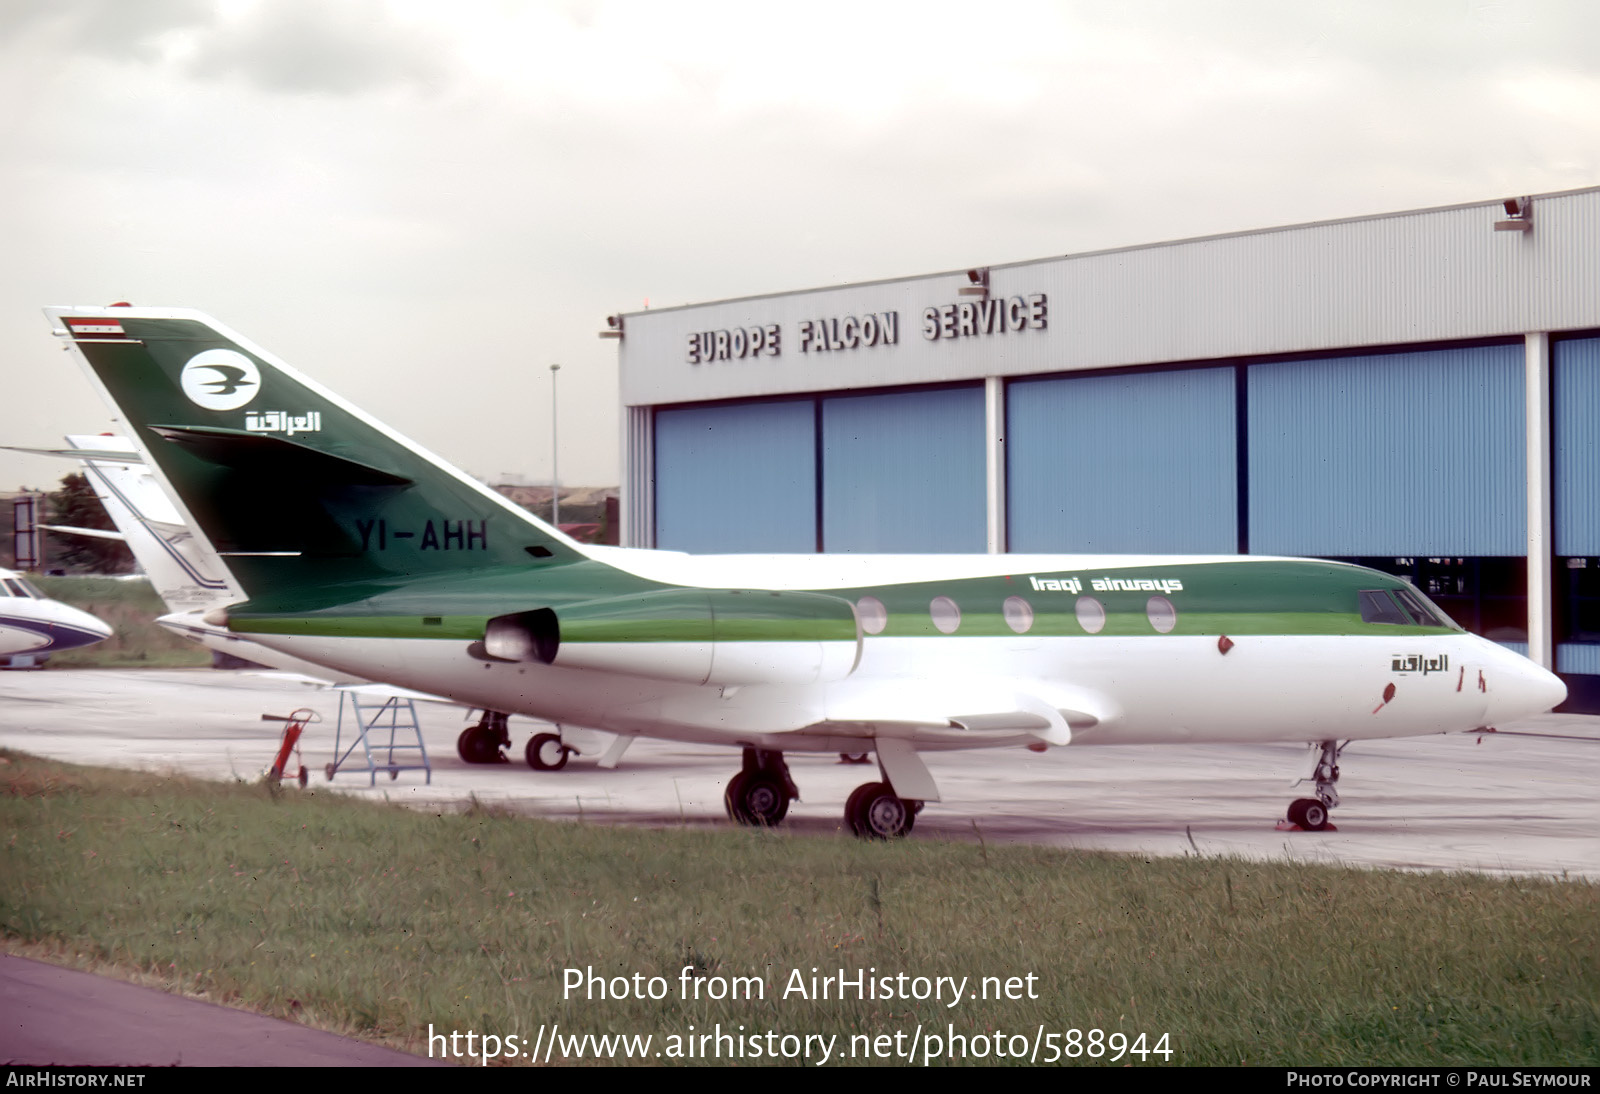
756,798
855,757
1311,814
1308,813
545,752
875,811
478,747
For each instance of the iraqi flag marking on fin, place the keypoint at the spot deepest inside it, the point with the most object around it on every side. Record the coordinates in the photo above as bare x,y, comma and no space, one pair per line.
96,328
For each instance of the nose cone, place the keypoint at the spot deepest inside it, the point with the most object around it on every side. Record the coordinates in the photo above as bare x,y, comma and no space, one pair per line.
1518,688
74,628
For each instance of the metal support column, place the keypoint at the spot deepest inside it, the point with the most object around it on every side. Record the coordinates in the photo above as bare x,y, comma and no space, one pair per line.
637,505
1536,371
994,448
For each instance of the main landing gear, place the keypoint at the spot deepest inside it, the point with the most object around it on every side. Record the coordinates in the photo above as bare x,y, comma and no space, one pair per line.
762,790
481,743
1311,814
759,795
547,752
875,811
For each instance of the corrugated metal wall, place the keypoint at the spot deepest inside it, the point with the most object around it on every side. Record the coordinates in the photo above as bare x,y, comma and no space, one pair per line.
1398,454
904,472
1431,275
1138,463
1575,406
735,479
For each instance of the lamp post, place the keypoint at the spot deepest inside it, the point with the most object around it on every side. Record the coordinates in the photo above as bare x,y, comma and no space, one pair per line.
555,451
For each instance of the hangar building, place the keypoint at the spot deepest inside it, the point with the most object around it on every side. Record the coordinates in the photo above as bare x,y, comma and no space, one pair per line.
1418,392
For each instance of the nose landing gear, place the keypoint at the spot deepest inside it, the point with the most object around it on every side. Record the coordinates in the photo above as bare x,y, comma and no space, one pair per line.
1311,814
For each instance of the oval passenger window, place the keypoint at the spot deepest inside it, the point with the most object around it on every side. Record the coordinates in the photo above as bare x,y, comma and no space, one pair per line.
1091,614
1019,614
946,615
1162,615
873,615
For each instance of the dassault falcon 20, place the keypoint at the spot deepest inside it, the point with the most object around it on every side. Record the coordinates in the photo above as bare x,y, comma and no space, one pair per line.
357,550
32,626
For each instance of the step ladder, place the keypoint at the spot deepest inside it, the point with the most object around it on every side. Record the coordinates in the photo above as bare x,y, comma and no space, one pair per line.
404,750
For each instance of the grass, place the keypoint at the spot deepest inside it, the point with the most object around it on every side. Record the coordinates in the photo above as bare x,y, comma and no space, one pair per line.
130,606
376,921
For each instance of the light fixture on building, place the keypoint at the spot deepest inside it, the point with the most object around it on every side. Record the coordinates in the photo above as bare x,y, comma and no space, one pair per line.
615,323
979,286
1519,216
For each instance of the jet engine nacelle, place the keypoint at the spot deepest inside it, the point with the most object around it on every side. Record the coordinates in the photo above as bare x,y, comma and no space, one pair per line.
725,637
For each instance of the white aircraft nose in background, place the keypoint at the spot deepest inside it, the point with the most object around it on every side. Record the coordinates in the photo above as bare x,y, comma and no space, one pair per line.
33,624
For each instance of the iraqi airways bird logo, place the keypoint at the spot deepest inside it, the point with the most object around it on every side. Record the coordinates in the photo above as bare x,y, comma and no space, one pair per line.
220,379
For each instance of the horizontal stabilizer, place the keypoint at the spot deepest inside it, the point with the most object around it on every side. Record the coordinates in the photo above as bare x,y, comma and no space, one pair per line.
167,530
96,456
276,456
92,533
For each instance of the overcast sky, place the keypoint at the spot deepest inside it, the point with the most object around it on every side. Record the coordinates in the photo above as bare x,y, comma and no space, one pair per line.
424,205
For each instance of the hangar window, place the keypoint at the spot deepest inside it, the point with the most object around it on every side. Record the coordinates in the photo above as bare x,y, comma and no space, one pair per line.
946,615
1377,606
1019,614
1091,614
1162,615
873,615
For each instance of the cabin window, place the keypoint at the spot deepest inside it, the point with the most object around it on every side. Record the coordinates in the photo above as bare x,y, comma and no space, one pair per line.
1018,613
14,587
30,589
873,615
1162,615
1091,614
946,614
5,588
1377,606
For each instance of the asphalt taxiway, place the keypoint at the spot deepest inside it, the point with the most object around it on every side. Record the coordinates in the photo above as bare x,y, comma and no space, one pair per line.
51,1015
1519,801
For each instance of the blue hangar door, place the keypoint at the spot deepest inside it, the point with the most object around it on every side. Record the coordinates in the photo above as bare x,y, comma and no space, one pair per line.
732,479
1128,463
1407,462
1575,419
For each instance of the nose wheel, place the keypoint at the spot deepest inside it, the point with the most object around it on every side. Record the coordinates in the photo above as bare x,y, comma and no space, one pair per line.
1311,814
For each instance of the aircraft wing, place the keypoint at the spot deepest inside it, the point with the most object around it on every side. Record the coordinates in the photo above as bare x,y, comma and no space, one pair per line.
387,691
947,715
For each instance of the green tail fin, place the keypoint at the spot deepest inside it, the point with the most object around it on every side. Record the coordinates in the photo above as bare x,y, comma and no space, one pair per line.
296,488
